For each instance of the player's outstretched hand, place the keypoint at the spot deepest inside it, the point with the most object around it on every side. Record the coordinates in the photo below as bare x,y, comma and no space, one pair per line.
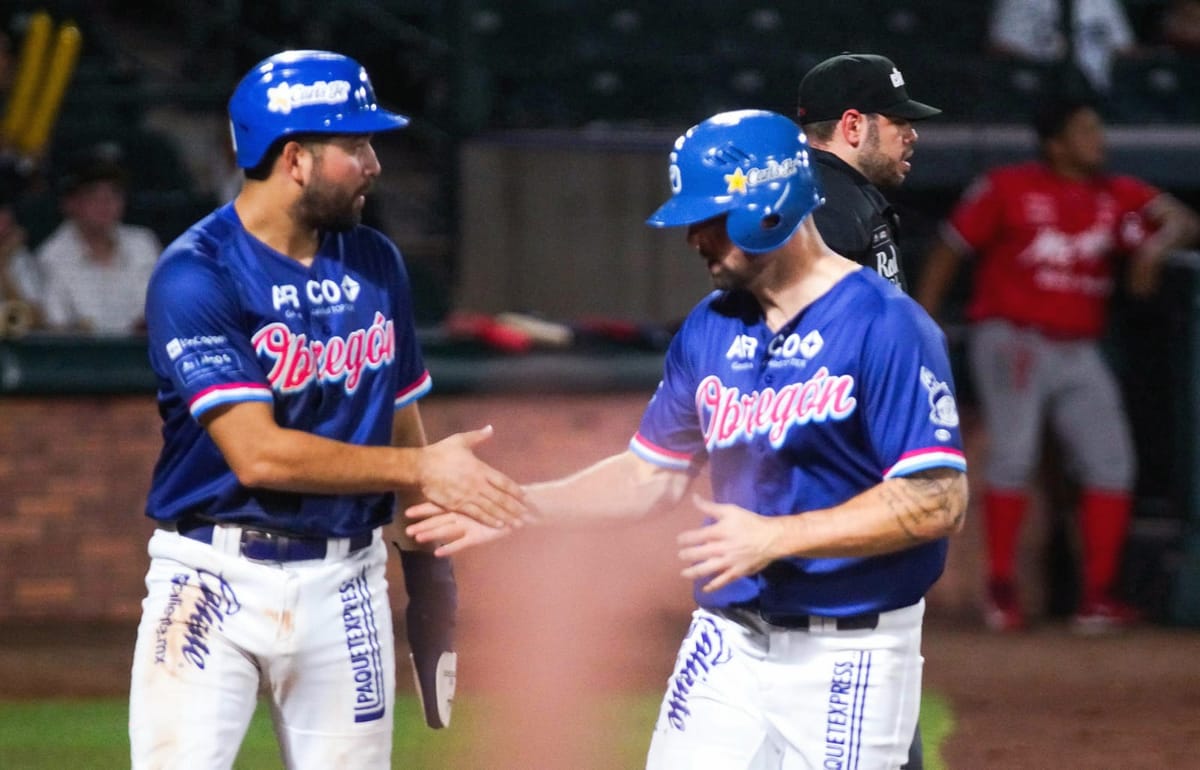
453,532
456,480
736,543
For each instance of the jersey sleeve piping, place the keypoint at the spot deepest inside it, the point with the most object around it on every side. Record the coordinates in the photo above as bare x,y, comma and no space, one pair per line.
924,459
228,393
408,395
656,455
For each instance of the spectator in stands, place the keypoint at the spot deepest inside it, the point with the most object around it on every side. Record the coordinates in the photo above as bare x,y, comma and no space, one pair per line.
20,277
1179,27
1048,235
12,165
96,266
1035,31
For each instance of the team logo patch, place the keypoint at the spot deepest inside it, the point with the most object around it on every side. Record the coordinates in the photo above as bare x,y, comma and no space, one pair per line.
730,416
703,650
741,181
324,296
286,97
177,346
943,410
214,602
848,683
296,361
742,349
363,649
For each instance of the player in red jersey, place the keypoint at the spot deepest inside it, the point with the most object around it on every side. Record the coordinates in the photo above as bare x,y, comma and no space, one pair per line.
1047,236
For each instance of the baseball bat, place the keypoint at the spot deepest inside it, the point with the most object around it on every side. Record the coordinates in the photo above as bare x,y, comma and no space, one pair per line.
30,66
485,329
616,332
63,59
541,331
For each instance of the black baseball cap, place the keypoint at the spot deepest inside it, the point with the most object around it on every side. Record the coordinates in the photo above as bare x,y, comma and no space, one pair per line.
857,81
100,162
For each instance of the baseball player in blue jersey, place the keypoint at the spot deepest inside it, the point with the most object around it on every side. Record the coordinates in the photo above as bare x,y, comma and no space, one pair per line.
819,396
288,369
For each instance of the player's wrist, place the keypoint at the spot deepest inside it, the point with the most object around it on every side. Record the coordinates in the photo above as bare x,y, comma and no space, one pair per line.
779,537
412,467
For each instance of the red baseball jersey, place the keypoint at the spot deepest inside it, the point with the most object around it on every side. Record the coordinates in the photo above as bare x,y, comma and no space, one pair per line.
1047,245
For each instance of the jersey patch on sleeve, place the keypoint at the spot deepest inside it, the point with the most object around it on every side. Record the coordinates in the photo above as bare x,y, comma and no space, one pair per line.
206,364
943,409
202,357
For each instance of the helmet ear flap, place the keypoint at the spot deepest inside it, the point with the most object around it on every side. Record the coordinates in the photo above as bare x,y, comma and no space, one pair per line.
756,228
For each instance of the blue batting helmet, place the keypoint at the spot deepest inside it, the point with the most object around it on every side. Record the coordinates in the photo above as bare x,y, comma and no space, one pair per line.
298,92
750,164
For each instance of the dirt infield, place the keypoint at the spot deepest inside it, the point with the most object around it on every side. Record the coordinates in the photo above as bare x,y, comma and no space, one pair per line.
1046,699
552,623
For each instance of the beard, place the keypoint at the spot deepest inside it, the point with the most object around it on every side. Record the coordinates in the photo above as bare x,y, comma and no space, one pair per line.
325,207
726,277
879,169
727,282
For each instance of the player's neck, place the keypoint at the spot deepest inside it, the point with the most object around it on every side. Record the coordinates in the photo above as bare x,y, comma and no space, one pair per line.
802,270
267,219
1068,170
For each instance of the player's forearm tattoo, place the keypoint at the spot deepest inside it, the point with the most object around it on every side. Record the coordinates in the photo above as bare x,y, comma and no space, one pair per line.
929,504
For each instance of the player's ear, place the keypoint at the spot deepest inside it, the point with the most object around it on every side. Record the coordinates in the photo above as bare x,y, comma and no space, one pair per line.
297,158
853,127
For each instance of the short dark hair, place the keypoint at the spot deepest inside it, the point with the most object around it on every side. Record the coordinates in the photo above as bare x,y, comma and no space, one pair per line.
821,130
263,169
100,162
1052,115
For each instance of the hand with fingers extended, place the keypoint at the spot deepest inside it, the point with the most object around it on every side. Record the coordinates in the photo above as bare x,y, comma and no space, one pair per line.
452,531
733,544
455,479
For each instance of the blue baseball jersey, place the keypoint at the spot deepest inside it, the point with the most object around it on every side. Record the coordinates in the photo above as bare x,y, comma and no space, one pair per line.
331,347
855,389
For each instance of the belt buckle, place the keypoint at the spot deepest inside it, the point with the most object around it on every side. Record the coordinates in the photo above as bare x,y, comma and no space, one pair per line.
252,540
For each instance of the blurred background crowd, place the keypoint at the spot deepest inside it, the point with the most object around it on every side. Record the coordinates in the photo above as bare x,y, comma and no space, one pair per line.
138,147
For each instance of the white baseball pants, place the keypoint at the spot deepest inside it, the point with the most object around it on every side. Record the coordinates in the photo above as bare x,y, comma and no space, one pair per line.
746,695
314,636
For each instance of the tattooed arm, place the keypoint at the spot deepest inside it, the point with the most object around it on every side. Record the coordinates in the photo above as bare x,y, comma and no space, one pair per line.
895,514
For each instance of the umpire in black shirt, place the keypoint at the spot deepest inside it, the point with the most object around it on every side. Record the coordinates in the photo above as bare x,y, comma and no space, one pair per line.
859,119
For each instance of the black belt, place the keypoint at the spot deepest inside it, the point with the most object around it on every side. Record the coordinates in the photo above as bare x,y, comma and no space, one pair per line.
864,622
260,545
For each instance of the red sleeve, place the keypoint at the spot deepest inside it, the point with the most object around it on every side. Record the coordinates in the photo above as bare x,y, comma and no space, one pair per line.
977,216
1133,194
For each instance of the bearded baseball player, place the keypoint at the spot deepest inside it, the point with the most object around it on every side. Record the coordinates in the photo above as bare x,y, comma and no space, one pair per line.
820,398
288,369
1049,237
